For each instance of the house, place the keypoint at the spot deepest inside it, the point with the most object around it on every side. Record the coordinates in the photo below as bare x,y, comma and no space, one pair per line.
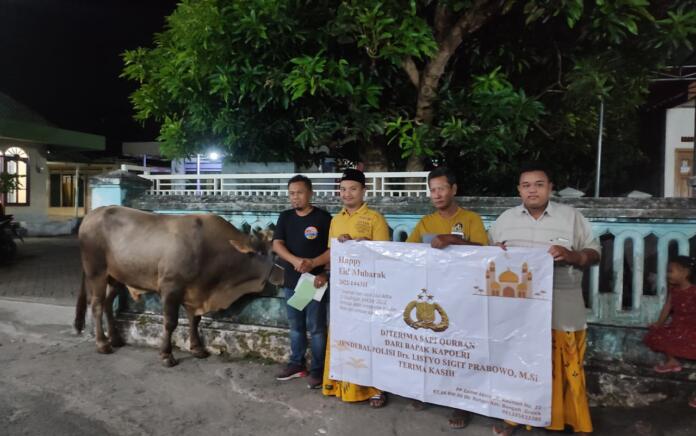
40,155
668,123
679,148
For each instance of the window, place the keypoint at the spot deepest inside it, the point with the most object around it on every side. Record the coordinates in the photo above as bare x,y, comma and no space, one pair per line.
15,161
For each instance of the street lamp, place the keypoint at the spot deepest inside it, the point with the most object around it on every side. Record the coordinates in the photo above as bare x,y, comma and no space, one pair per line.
212,156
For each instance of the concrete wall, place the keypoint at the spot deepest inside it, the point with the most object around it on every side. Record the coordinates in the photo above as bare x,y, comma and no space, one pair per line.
626,289
679,123
487,207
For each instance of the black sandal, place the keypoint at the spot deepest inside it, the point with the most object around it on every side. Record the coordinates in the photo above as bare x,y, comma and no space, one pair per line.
459,419
378,401
506,430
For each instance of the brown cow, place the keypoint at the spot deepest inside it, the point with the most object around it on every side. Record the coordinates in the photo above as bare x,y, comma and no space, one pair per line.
199,261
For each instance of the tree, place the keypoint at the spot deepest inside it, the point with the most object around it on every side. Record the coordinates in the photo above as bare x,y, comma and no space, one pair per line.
8,183
385,81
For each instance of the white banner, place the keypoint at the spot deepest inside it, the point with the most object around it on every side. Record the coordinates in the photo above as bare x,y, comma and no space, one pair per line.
465,327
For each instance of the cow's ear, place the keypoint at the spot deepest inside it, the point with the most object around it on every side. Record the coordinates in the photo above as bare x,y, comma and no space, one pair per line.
267,235
242,248
264,235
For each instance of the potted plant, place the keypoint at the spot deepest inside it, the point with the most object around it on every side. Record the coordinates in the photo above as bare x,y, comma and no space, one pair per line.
8,183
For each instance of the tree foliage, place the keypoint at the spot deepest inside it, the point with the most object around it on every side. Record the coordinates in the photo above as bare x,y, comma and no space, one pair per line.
8,183
476,84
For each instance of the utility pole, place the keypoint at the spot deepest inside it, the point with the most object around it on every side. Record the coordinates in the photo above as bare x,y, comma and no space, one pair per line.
599,148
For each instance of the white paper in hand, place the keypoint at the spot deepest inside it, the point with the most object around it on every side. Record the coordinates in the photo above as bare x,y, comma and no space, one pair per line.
309,279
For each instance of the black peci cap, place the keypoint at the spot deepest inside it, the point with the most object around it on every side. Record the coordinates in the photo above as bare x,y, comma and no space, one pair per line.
354,175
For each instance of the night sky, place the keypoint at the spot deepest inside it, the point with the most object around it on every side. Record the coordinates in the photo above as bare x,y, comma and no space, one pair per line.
62,59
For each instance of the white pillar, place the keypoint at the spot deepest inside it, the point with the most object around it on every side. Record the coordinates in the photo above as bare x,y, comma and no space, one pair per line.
198,174
76,189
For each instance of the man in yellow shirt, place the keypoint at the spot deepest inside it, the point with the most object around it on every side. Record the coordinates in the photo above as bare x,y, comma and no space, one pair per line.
449,224
359,222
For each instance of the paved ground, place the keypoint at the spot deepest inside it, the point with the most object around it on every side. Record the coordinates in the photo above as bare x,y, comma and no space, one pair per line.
47,269
52,382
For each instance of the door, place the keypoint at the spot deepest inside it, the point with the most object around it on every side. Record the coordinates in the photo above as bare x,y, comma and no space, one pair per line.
683,170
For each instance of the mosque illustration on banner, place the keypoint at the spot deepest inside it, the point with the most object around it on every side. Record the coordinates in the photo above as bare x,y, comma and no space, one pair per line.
510,284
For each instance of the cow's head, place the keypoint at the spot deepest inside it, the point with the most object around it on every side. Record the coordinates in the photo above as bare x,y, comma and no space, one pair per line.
256,243
257,246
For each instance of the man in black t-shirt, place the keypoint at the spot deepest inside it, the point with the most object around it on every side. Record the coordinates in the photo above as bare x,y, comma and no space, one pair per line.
300,238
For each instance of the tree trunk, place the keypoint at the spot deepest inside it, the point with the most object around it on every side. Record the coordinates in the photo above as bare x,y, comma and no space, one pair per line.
414,163
374,157
448,36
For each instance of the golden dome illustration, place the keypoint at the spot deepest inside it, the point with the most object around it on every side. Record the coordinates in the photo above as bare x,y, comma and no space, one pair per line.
508,277
509,284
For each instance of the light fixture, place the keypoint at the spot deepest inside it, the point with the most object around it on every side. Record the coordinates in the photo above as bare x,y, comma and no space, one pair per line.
213,155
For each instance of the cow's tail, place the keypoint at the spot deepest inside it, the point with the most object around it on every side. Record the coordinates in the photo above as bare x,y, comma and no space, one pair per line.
81,307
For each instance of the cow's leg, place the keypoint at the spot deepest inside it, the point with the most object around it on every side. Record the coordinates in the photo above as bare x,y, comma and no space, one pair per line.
170,309
114,335
197,348
97,285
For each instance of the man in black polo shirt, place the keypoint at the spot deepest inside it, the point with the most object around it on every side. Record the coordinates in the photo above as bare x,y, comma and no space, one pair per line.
300,237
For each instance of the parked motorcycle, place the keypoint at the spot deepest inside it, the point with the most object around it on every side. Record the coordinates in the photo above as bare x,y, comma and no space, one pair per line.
9,231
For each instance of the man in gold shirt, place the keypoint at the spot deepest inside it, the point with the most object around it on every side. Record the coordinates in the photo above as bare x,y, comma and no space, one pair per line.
448,225
358,222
